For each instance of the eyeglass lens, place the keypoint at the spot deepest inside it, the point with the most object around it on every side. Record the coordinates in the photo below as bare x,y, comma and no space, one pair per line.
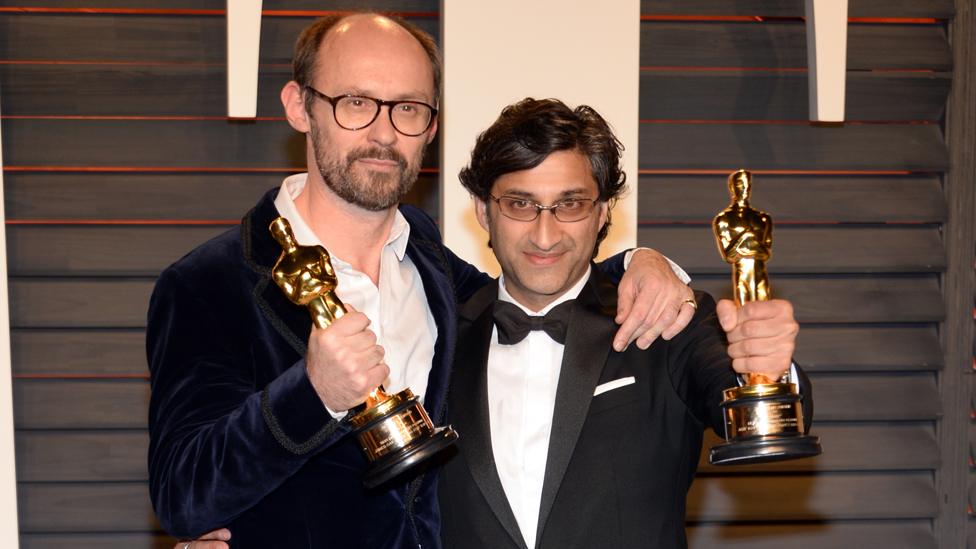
408,117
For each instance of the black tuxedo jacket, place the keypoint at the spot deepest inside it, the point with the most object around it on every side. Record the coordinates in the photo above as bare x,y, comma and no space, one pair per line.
238,436
620,463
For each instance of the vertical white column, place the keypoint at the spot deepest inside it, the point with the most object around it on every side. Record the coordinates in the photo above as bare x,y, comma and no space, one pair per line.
827,58
243,45
498,52
8,470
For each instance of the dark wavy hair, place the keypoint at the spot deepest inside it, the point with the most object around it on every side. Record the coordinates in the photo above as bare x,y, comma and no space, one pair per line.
527,132
309,41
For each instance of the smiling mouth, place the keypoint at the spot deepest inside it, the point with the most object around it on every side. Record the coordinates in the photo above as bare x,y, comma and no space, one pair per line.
542,259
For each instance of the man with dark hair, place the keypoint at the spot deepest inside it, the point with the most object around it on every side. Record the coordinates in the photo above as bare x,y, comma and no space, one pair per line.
249,405
568,443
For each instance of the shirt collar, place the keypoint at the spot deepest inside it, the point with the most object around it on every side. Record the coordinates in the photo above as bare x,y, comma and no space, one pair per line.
293,186
569,294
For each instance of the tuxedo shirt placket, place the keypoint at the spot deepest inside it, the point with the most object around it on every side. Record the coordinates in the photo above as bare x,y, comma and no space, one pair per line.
522,383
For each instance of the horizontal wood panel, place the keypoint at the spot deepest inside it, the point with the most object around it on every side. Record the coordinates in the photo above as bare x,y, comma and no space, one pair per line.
848,299
127,90
672,146
820,249
902,534
783,45
85,507
57,404
78,352
91,456
795,8
172,196
849,447
101,250
99,540
57,303
889,397
68,303
775,95
825,496
111,37
821,348
847,198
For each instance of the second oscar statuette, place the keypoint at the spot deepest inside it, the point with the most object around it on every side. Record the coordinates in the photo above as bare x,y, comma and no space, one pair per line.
764,417
393,430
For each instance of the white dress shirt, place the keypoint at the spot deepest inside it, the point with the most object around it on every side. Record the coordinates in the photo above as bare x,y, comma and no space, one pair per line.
522,381
397,308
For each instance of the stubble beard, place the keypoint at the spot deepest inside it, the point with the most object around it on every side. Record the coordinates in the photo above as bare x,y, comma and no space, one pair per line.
374,192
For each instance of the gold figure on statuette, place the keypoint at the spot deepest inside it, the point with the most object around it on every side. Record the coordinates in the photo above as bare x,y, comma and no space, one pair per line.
763,418
393,430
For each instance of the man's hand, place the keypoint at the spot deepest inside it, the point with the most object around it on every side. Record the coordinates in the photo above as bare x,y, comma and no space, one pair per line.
217,539
344,363
651,301
762,336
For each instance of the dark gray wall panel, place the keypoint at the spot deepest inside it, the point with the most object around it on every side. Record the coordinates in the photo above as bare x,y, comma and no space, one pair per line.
84,507
106,303
88,404
783,45
813,497
846,299
59,352
888,397
794,8
803,198
97,541
88,456
162,196
778,95
868,348
102,250
849,447
818,249
900,534
791,147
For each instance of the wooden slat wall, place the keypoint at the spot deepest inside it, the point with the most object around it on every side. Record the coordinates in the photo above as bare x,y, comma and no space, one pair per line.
858,248
119,160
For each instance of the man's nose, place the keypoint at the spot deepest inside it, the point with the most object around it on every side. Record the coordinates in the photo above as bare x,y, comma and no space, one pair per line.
381,131
546,231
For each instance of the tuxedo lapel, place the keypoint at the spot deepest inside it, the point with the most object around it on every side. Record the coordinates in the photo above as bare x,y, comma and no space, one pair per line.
429,260
588,343
261,252
469,404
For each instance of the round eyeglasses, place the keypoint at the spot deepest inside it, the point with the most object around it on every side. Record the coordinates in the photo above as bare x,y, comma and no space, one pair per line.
355,112
520,209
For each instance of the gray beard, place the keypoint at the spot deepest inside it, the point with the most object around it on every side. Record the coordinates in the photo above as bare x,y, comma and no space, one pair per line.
375,192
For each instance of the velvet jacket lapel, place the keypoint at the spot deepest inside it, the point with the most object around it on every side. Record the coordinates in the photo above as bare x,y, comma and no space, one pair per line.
588,340
469,394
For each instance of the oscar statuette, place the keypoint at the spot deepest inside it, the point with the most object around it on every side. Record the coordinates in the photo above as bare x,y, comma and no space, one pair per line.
393,430
763,418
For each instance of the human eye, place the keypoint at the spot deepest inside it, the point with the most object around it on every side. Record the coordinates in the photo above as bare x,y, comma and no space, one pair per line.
357,103
519,204
572,205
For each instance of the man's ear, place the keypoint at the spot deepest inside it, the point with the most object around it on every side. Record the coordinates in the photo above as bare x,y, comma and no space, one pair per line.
481,211
604,212
294,103
432,131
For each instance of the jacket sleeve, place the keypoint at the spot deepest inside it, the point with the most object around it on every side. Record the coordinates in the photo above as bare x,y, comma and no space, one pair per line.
218,443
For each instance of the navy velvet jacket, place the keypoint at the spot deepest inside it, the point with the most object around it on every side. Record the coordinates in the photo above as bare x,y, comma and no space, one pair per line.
238,436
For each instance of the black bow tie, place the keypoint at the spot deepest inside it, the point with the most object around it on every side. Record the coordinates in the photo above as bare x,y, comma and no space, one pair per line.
513,324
